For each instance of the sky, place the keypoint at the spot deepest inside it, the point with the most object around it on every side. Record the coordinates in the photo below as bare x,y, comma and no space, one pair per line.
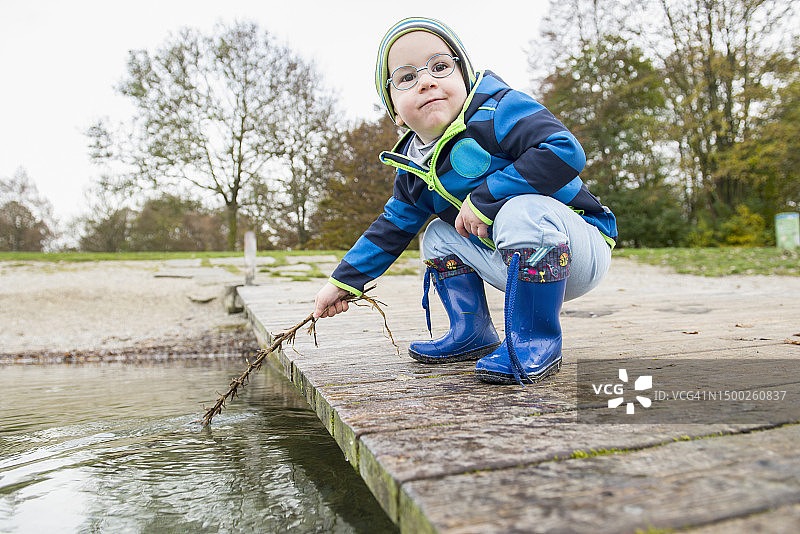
60,62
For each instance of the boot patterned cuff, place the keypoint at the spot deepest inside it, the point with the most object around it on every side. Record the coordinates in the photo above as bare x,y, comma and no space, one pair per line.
448,266
542,265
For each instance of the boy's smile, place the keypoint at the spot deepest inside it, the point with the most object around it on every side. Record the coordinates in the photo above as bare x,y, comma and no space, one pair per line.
432,104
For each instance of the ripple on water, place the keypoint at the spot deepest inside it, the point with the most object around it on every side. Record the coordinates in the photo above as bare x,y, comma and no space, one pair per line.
119,448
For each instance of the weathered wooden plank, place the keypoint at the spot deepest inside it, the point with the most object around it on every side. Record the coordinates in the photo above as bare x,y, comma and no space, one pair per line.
386,400
631,344
504,442
780,520
432,442
673,486
434,409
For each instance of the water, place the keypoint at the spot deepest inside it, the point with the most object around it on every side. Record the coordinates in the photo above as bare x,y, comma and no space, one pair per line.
117,448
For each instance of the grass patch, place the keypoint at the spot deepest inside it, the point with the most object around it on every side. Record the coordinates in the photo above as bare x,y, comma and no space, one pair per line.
410,254
55,257
294,277
279,255
235,327
71,260
233,269
719,261
595,452
280,261
401,272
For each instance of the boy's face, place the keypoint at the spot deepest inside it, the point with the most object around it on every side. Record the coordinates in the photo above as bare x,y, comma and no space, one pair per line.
432,104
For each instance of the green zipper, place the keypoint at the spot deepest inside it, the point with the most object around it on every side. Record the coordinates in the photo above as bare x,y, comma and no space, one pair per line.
430,177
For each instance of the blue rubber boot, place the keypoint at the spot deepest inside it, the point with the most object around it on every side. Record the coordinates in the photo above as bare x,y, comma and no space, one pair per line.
534,295
472,334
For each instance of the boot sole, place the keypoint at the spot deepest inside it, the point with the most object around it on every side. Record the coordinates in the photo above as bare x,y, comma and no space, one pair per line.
475,354
506,379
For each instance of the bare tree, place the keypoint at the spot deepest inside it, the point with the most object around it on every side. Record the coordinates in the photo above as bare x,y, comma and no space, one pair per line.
571,26
311,135
211,114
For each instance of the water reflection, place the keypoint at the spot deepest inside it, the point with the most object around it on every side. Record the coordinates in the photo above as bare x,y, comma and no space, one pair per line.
117,448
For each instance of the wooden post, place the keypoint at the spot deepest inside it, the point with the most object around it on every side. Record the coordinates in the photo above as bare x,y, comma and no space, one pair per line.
249,257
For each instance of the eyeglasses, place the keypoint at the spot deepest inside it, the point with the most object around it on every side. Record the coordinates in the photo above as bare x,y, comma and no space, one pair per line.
439,66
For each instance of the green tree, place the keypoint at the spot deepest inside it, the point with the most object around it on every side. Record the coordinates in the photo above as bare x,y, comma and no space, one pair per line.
612,98
26,218
165,223
745,228
766,164
723,64
170,223
106,225
108,232
721,60
211,114
650,215
359,187
20,230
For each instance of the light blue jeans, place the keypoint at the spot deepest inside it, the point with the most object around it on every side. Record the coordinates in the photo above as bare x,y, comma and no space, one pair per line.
527,221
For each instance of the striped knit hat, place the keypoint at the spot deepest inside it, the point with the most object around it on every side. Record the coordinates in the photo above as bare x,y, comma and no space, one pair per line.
416,24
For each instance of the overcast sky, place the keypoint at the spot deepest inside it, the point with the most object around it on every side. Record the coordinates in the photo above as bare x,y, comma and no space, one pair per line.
60,62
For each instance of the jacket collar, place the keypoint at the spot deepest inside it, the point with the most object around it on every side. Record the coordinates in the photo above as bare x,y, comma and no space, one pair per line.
487,84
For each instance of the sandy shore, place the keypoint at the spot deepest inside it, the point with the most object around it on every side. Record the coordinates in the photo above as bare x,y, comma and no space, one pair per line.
115,309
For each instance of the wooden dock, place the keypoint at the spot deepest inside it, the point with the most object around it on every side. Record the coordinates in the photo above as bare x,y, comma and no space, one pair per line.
443,452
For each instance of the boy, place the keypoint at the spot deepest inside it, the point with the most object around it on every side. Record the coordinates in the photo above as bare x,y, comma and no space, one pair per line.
501,174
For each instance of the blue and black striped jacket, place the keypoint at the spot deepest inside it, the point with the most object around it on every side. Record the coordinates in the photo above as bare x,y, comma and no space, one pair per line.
503,144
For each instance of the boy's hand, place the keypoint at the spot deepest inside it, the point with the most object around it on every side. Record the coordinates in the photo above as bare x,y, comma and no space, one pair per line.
329,301
469,223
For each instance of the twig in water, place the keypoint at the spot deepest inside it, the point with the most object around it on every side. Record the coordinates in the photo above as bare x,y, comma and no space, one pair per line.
287,336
